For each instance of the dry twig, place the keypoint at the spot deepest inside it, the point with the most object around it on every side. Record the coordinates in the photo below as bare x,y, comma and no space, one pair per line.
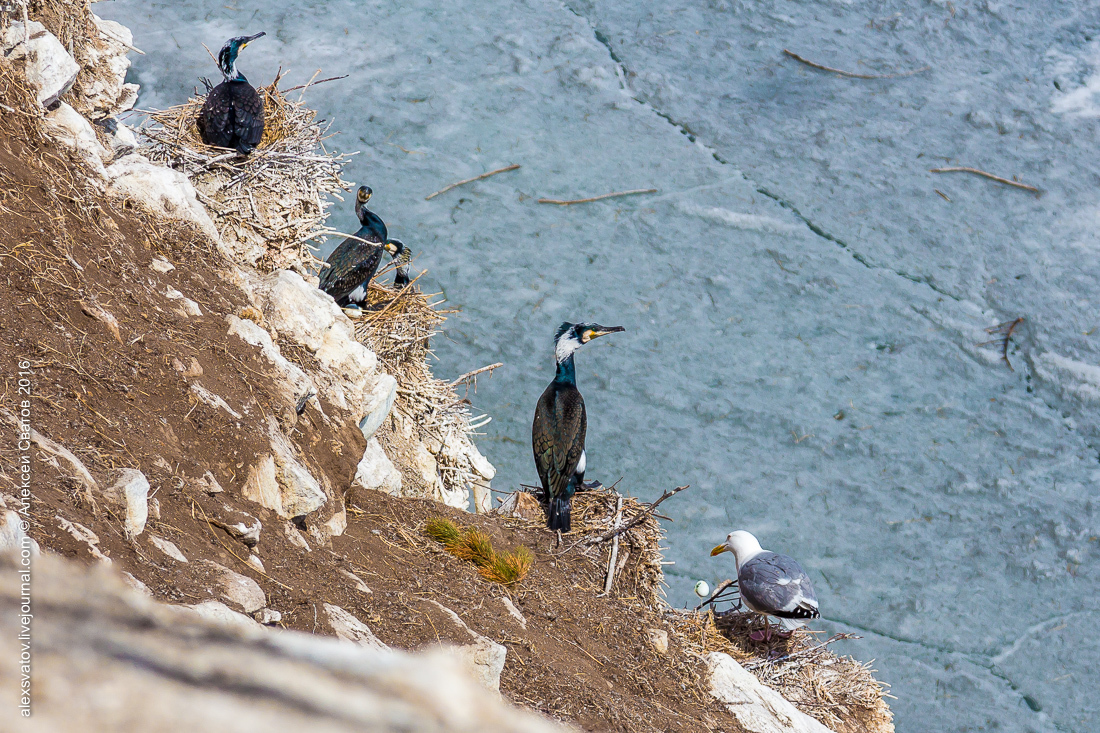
853,75
601,197
641,517
990,176
445,189
1004,330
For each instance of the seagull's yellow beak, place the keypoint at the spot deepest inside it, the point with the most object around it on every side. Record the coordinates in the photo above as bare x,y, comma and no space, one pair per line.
719,550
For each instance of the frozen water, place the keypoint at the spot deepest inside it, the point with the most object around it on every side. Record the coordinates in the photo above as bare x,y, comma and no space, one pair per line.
804,309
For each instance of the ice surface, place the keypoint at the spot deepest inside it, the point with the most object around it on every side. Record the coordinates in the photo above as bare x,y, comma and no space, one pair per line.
804,312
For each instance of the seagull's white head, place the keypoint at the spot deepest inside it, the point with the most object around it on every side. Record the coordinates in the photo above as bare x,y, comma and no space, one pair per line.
743,546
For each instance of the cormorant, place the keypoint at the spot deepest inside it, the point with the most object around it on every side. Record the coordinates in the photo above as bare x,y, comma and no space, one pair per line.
557,434
352,264
770,584
401,257
233,114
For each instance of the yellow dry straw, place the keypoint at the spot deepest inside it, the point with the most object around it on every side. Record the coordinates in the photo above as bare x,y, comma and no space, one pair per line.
475,546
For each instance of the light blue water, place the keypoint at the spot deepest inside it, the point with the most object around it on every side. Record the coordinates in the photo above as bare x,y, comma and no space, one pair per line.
802,308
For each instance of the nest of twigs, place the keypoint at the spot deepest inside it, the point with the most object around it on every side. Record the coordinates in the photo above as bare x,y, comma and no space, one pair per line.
268,206
840,692
639,563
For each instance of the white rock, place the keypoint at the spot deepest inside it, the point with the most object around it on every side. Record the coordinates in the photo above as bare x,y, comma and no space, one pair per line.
69,128
104,60
378,404
294,382
480,463
238,589
299,491
376,471
759,709
268,616
305,315
130,491
154,509
294,536
164,191
484,658
256,562
222,614
82,534
337,523
137,585
209,484
12,536
50,69
356,581
123,140
209,398
515,612
168,548
161,265
188,307
241,526
349,628
659,639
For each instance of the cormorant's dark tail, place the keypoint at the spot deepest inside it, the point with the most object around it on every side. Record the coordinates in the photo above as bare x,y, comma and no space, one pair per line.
559,513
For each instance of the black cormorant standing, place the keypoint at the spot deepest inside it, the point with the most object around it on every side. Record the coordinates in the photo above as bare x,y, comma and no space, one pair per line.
233,115
557,434
352,264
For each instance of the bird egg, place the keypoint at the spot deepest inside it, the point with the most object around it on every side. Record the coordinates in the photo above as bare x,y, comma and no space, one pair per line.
702,589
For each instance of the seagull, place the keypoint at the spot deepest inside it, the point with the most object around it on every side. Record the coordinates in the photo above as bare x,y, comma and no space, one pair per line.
771,584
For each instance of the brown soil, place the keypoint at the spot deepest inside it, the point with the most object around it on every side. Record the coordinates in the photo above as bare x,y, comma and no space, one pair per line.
68,254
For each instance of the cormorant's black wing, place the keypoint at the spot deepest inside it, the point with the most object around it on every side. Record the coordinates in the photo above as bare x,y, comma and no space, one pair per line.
777,585
232,116
248,126
215,118
557,435
351,264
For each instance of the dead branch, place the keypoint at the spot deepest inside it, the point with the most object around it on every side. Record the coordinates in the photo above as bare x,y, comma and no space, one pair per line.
614,548
649,509
722,588
475,372
990,176
601,197
445,189
853,75
1005,331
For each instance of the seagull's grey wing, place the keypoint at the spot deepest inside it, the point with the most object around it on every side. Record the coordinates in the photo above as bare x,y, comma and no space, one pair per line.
777,585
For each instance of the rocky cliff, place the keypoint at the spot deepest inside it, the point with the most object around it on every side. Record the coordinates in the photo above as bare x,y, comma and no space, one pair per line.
186,411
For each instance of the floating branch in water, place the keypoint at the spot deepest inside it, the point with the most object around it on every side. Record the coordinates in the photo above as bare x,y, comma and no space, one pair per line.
445,189
975,171
635,192
853,75
1004,332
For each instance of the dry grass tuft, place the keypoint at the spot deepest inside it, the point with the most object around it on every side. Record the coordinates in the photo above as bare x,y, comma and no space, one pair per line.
474,546
268,206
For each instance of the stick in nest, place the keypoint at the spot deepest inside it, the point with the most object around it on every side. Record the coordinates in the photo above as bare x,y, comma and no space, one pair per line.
853,75
649,509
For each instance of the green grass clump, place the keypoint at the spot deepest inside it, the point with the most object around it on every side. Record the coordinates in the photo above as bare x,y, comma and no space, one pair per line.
475,546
